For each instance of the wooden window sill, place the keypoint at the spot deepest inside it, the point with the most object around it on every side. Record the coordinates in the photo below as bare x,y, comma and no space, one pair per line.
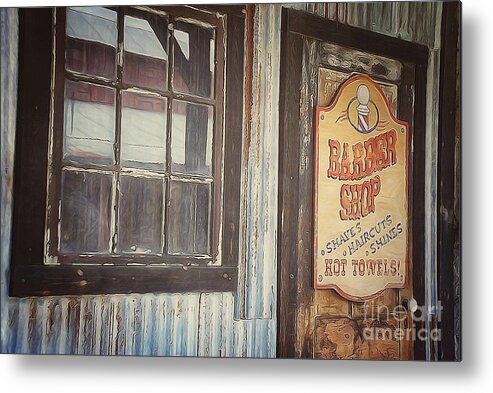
78,280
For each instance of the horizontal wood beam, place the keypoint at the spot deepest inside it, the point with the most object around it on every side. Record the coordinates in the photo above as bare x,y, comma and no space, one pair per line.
320,28
92,280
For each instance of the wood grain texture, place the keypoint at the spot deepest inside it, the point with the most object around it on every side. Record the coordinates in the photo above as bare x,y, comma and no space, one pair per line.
291,55
352,60
308,100
344,338
258,248
350,36
448,197
91,280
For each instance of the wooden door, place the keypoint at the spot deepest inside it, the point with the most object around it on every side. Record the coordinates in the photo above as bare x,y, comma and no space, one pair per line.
318,56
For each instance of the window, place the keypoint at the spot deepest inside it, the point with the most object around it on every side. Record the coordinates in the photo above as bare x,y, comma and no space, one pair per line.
133,119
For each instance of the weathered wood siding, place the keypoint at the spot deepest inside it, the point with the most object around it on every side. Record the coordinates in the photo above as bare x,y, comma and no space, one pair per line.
8,94
206,324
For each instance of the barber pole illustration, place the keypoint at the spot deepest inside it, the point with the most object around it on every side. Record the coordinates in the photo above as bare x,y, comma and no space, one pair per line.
363,97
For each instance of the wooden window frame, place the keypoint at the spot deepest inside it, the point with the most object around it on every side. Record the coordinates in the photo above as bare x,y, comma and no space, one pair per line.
30,274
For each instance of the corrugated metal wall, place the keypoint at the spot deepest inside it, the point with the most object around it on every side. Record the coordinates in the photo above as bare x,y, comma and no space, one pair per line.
160,325
207,324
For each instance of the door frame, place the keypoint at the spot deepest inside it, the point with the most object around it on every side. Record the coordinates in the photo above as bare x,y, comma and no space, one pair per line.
295,219
448,204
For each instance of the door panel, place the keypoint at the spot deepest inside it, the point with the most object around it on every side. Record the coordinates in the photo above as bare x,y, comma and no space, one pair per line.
338,323
337,337
321,323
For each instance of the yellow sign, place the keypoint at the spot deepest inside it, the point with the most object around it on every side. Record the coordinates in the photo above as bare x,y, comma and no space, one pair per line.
361,198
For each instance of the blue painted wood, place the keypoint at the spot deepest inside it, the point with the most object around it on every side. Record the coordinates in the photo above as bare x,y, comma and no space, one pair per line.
9,334
260,252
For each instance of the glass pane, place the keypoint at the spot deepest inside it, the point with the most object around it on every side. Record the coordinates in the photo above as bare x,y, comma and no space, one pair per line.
85,215
194,59
191,138
140,220
91,41
143,131
189,218
89,123
145,52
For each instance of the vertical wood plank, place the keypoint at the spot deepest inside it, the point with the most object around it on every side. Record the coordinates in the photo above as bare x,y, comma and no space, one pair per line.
308,100
332,11
227,326
291,64
258,271
209,344
448,206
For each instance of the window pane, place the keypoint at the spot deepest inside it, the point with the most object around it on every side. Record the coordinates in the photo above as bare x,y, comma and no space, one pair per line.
145,52
140,220
85,215
191,138
194,60
89,123
189,218
143,131
91,41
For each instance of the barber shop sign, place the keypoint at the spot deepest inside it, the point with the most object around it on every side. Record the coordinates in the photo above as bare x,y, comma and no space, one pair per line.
361,193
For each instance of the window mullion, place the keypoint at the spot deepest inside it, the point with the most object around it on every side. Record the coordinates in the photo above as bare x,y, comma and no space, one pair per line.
167,194
118,123
170,99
